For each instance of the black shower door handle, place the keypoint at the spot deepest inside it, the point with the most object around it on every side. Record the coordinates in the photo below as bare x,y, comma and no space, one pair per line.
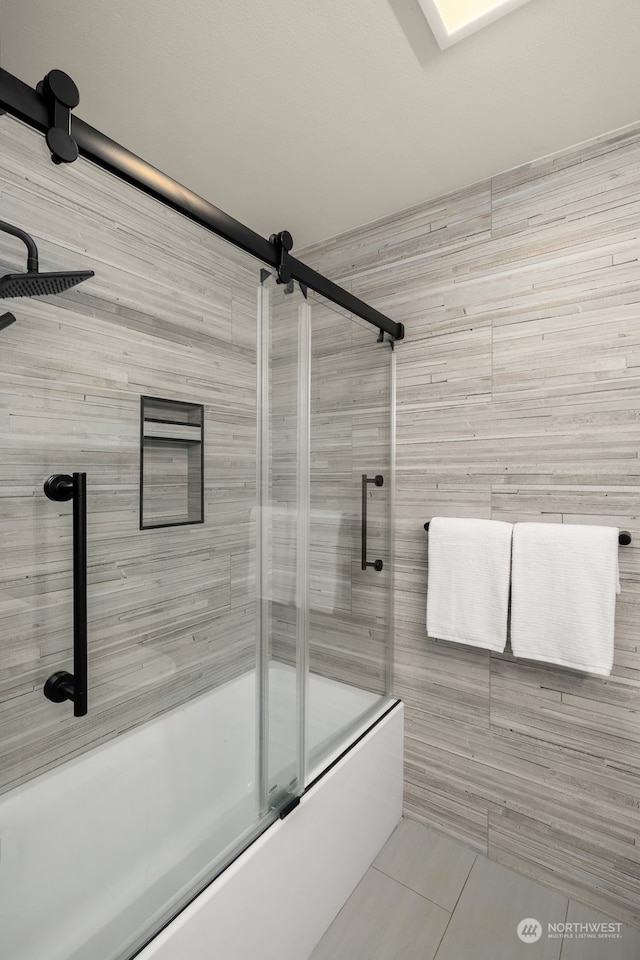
378,480
63,685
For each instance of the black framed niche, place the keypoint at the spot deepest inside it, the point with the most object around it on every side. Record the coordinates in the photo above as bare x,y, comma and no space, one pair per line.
171,463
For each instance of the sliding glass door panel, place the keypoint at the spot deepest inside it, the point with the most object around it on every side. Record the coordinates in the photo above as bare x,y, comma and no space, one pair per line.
350,489
282,551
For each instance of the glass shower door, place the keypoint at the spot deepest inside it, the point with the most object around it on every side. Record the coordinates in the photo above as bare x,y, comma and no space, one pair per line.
325,575
281,541
350,497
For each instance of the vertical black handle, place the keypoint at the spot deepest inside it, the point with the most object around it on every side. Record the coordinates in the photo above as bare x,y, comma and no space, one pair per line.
378,480
63,685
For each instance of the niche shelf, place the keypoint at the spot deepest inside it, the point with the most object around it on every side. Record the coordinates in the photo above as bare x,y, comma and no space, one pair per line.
171,463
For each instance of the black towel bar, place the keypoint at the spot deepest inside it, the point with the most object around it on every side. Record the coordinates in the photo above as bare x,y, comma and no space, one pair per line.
624,537
63,685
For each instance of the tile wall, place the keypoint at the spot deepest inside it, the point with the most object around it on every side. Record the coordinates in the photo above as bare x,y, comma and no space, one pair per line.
519,399
171,312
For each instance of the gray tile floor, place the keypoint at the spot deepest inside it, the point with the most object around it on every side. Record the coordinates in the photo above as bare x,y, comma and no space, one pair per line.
427,897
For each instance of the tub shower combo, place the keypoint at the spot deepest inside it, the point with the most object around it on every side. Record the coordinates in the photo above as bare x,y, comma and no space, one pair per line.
200,751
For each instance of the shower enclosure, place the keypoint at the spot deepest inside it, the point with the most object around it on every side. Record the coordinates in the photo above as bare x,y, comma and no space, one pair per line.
232,651
325,431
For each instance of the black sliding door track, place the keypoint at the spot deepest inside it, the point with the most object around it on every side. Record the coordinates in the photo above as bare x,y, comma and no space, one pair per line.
21,101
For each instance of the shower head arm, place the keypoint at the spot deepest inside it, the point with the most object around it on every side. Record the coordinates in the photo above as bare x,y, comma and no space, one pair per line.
32,250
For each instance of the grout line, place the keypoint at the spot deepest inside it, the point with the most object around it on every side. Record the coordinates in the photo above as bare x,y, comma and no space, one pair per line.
566,914
464,884
444,932
407,887
487,843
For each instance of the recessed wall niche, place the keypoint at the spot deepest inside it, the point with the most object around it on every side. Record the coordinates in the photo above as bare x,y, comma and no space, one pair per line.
171,462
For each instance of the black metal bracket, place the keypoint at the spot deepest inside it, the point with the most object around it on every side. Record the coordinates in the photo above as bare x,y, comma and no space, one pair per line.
290,288
283,242
289,807
61,96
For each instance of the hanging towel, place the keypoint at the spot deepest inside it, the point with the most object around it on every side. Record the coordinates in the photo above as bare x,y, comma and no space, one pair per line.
563,594
468,589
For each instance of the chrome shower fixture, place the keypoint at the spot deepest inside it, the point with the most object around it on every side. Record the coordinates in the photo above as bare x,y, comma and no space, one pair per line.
33,283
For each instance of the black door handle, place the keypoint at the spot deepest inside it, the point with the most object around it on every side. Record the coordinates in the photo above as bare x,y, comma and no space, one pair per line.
63,685
378,480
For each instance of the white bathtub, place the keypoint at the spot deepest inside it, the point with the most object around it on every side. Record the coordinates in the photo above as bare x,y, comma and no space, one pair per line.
92,851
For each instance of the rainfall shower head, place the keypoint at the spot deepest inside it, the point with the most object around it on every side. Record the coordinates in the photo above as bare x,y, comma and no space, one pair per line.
33,283
36,284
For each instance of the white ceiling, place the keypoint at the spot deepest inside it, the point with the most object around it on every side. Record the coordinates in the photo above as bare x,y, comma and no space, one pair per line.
317,117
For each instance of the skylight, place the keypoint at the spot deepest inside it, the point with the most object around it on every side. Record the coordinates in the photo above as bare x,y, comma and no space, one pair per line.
451,20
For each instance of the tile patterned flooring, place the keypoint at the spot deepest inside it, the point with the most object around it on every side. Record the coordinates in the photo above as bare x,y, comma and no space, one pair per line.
427,897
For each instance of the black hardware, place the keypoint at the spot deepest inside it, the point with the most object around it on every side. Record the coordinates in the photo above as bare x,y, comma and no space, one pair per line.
32,250
624,537
60,687
304,290
380,339
6,320
61,96
33,283
287,809
283,242
378,480
27,105
63,685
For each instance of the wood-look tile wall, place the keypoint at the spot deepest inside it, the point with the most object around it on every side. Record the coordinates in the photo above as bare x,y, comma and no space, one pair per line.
519,399
170,313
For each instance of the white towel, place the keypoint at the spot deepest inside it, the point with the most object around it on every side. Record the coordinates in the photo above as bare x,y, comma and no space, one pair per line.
563,594
468,590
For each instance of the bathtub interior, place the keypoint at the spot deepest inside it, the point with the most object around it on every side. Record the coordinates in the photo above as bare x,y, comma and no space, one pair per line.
333,708
127,831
